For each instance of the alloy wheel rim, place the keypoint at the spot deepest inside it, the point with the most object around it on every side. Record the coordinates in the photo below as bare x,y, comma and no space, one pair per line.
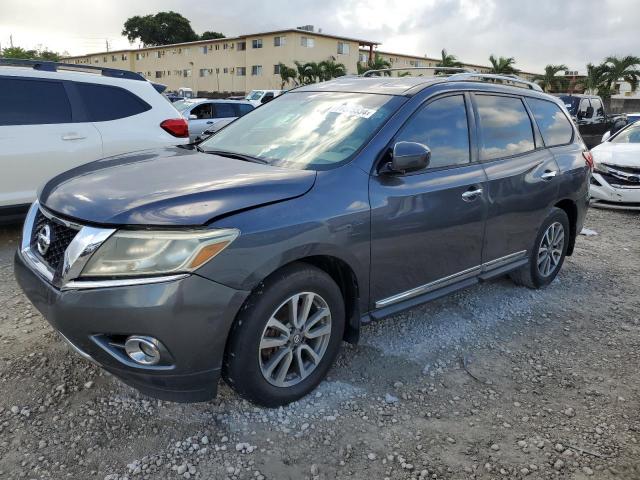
550,249
295,339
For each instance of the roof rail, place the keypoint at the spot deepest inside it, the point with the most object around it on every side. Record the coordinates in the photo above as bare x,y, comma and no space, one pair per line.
368,73
511,80
47,66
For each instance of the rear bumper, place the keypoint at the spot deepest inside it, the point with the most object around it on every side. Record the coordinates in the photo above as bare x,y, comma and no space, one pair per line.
191,317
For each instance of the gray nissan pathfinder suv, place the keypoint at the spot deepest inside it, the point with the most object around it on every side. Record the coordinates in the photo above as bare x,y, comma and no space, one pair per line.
255,255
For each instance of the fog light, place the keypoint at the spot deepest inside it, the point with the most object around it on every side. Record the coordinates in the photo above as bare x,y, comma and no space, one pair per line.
143,350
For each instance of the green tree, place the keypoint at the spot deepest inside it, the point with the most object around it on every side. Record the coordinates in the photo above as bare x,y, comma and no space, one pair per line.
209,35
330,69
36,54
377,63
309,72
503,65
595,82
287,75
625,68
550,82
163,28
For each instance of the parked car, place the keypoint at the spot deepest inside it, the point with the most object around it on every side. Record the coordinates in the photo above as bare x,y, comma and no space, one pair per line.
53,119
628,119
186,92
173,97
589,114
204,114
216,127
260,97
255,254
615,182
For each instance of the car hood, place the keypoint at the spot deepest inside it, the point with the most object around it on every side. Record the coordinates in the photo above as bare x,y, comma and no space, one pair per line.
621,154
172,186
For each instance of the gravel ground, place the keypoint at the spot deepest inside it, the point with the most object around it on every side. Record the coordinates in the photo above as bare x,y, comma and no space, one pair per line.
496,381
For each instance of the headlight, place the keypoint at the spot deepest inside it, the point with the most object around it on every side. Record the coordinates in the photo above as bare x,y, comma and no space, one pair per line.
136,253
600,167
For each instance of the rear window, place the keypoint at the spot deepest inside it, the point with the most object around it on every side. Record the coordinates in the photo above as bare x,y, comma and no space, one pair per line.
553,123
505,127
104,103
33,102
571,103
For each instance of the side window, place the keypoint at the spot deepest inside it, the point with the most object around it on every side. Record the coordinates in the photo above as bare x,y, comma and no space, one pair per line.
598,109
224,110
104,103
505,127
33,102
203,111
582,109
553,123
442,126
243,109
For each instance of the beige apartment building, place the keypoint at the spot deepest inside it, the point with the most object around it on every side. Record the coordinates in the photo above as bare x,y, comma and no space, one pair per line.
247,62
237,64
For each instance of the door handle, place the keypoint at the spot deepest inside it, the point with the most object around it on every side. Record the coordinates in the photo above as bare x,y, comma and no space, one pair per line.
471,194
549,174
209,122
73,136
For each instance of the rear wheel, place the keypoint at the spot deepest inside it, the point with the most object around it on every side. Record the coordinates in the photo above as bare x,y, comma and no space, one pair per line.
548,252
287,336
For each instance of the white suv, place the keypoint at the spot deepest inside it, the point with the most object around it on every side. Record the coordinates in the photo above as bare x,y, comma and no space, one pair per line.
54,117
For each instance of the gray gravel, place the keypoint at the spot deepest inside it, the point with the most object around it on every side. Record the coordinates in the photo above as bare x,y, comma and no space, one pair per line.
493,382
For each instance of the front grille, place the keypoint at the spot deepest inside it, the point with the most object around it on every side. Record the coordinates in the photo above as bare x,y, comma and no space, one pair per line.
629,170
60,235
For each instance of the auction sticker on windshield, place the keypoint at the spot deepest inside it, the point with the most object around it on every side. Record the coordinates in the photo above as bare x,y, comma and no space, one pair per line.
353,110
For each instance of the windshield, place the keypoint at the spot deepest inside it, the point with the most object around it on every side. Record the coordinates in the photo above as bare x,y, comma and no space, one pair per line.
631,134
182,105
571,103
254,95
306,130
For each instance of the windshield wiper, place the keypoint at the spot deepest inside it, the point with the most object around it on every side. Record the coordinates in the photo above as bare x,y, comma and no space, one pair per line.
238,156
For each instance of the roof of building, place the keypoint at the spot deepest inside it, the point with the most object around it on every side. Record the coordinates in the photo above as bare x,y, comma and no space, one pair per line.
227,39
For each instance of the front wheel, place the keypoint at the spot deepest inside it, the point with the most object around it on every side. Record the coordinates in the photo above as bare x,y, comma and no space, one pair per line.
286,337
548,252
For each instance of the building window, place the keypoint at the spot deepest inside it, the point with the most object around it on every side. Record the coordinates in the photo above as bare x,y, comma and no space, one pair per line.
158,74
217,47
225,70
124,56
204,72
276,69
307,42
137,56
343,48
113,58
257,43
104,59
242,46
256,70
226,46
186,72
363,58
241,71
204,50
279,41
158,54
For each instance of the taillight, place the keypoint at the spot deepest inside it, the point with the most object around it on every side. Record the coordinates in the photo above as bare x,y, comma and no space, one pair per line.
178,127
588,158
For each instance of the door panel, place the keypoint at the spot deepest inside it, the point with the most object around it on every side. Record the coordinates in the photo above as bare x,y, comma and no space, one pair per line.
422,229
30,155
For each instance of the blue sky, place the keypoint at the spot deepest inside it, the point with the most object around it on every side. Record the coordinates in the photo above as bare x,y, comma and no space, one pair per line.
535,32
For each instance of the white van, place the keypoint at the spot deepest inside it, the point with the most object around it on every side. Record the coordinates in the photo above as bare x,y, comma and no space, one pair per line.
258,97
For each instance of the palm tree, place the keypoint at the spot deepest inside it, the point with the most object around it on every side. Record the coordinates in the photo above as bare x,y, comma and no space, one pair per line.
549,81
595,83
287,74
447,60
307,72
378,63
330,69
503,65
622,69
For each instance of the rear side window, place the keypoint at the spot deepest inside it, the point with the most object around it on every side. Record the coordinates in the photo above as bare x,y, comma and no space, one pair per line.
104,103
505,127
33,102
553,123
243,109
442,126
224,110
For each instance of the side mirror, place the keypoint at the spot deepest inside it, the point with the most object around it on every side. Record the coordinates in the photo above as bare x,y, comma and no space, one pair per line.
409,156
606,136
193,117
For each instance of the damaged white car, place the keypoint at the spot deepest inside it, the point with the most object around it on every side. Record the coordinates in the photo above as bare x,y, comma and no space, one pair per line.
615,181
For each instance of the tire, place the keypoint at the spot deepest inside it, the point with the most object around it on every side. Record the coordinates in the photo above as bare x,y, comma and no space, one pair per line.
530,275
254,372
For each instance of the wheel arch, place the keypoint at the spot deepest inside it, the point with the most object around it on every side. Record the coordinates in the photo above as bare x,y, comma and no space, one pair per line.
571,209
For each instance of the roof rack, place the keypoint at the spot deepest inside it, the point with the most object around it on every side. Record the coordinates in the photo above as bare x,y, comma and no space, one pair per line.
368,73
47,66
511,80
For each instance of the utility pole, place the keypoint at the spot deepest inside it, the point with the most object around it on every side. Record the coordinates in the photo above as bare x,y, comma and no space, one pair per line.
11,40
106,41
